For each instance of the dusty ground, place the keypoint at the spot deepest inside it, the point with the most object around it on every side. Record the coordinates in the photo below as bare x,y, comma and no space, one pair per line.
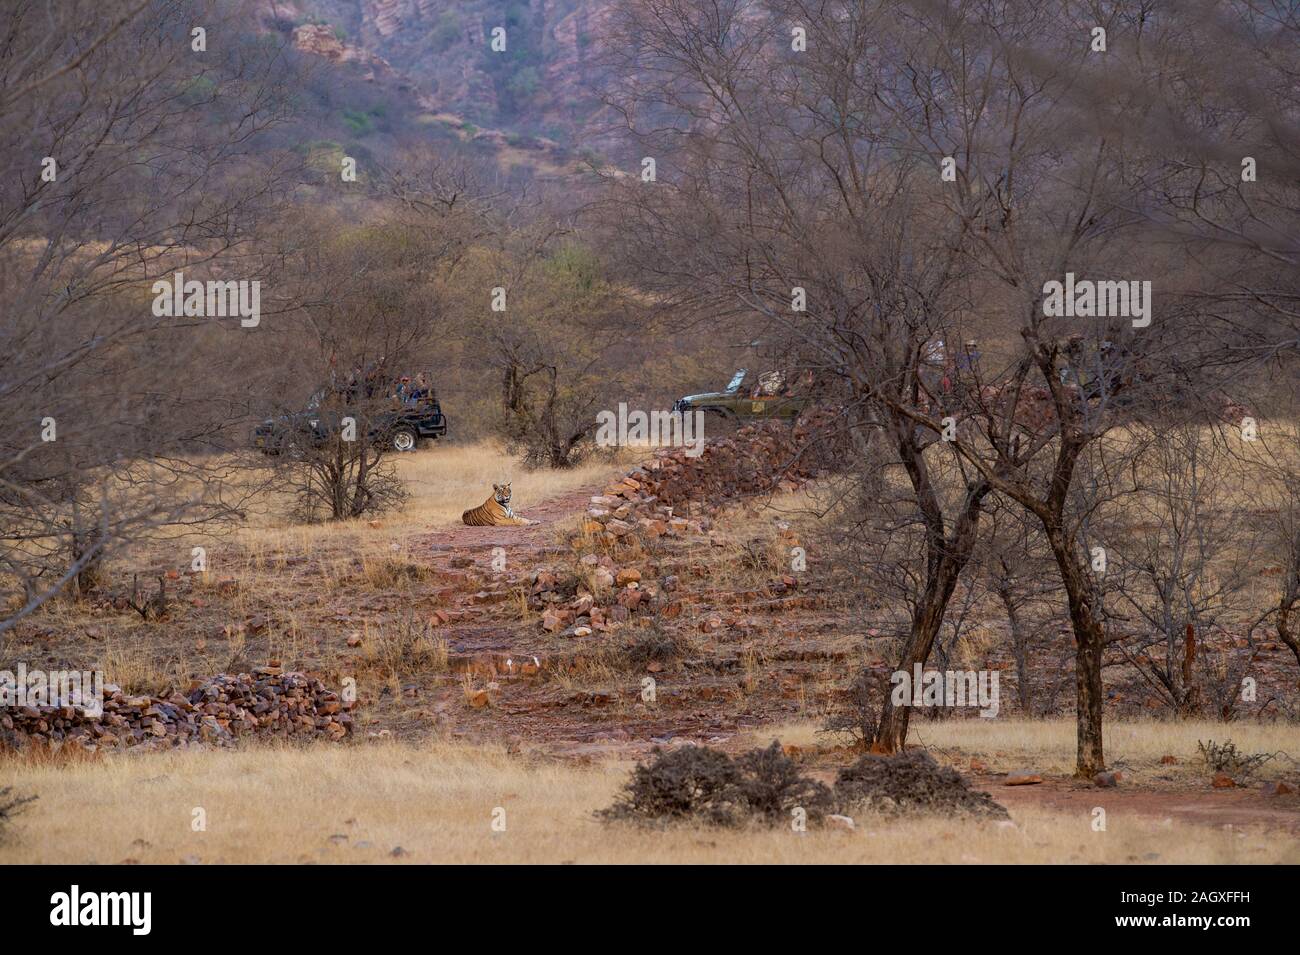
1151,786
423,614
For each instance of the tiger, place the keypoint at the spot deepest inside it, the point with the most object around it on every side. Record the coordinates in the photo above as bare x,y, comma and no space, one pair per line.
495,511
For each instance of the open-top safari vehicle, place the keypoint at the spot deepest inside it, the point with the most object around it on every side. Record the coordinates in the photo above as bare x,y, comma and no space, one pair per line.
747,397
399,415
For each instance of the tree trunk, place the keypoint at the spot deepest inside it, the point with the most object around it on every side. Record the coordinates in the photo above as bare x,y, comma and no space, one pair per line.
1090,757
1284,627
1020,647
947,557
1089,642
1188,696
891,731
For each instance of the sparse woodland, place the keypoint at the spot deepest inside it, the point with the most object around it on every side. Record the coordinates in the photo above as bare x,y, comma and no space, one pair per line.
1117,140
1035,265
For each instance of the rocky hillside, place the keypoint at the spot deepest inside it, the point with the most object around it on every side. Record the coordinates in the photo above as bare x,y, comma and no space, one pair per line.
532,104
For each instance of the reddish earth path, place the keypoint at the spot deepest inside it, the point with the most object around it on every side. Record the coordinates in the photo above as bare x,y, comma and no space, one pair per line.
710,697
525,548
766,661
1238,808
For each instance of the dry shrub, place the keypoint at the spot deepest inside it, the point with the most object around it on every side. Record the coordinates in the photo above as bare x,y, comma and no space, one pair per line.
391,572
324,489
772,786
857,712
406,646
11,806
654,645
911,783
698,784
1226,758
762,555
134,664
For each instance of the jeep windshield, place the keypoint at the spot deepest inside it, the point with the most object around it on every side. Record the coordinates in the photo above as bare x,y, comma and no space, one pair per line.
736,380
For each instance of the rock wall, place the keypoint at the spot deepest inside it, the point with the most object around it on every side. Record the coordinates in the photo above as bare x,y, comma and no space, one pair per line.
673,495
266,702
757,459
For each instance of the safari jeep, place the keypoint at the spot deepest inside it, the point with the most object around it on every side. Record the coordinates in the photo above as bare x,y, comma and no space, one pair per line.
401,427
745,398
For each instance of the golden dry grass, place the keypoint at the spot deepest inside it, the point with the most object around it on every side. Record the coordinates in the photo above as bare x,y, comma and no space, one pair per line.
443,481
344,558
438,802
1048,746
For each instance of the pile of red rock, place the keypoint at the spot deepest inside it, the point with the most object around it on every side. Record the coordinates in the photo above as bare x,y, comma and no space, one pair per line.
603,602
266,702
756,460
671,495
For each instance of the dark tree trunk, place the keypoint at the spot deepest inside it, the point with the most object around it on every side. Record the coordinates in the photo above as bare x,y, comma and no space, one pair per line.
891,731
1090,757
946,558
1020,647
1089,642
1284,625
1189,697
1284,632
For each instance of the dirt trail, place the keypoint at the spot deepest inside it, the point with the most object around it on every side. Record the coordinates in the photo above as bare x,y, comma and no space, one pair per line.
713,696
586,702
1236,808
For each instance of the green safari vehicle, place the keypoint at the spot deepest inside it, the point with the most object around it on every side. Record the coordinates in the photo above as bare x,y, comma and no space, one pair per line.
760,397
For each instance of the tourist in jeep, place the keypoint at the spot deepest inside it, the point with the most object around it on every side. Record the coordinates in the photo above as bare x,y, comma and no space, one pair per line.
764,397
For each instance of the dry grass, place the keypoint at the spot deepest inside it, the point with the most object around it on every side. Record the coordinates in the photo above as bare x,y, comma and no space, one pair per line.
438,802
293,575
138,668
407,646
1049,745
443,481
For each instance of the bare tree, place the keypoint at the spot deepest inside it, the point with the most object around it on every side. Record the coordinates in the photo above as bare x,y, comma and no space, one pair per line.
370,317
1178,559
555,348
1289,589
920,171
1012,562
132,156
775,207
1277,484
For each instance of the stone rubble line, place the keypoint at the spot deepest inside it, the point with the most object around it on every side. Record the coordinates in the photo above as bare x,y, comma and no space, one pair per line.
215,712
645,504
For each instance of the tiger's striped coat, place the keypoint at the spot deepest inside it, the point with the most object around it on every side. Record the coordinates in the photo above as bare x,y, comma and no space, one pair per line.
495,511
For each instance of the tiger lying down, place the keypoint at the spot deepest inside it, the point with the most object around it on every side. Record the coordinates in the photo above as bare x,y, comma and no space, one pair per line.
495,511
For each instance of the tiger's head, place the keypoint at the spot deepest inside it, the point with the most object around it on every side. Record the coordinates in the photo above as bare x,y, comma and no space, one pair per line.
501,494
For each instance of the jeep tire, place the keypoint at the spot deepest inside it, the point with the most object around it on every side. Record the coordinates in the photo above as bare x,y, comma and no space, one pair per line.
403,438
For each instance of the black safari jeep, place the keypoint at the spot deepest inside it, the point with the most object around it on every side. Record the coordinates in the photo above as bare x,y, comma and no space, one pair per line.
401,424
